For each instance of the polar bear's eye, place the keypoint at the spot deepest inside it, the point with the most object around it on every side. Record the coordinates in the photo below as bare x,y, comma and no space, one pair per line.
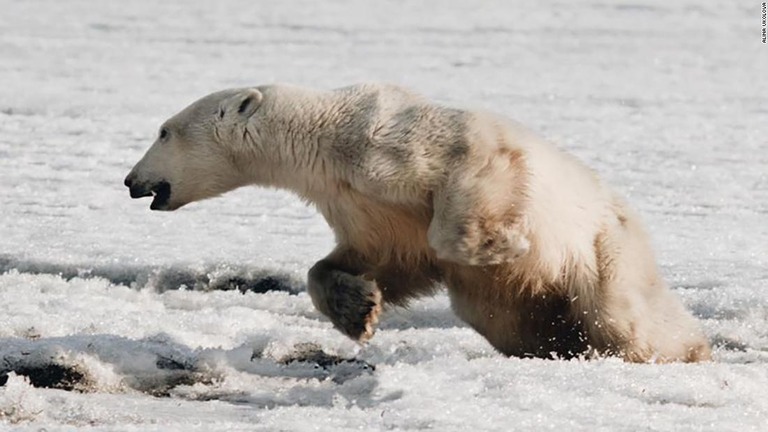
164,134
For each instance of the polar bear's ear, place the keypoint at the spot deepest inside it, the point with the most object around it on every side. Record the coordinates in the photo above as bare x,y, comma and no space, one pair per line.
243,104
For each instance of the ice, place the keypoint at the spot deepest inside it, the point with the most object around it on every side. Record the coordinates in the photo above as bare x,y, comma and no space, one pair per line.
116,317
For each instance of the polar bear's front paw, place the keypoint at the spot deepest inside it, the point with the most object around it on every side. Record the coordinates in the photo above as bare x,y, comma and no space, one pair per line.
352,303
356,308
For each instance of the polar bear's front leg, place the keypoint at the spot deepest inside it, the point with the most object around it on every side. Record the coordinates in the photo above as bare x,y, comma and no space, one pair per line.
480,212
340,291
473,241
474,226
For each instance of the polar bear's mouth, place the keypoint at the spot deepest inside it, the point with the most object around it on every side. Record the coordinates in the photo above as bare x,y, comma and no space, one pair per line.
161,193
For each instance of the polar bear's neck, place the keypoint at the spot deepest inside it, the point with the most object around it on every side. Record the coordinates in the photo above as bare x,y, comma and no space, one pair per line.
300,130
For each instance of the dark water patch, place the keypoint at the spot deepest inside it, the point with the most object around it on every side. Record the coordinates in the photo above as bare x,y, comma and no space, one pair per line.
307,376
217,277
338,369
55,376
163,385
720,342
57,363
159,366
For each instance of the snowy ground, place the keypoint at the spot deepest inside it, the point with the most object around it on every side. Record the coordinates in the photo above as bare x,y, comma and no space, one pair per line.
198,320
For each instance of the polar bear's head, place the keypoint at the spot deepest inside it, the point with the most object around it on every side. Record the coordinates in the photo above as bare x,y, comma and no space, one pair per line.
195,155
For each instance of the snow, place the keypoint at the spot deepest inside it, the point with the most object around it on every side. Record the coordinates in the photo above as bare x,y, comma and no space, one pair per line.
198,319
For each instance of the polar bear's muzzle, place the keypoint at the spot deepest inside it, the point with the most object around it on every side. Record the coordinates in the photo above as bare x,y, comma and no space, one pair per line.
161,191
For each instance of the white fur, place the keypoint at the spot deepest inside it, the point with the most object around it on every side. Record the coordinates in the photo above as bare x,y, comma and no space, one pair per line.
535,251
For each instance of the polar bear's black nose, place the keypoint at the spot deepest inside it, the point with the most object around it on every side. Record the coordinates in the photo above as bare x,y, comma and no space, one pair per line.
138,190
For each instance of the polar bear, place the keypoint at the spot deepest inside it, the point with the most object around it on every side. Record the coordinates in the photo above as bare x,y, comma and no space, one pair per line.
537,254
